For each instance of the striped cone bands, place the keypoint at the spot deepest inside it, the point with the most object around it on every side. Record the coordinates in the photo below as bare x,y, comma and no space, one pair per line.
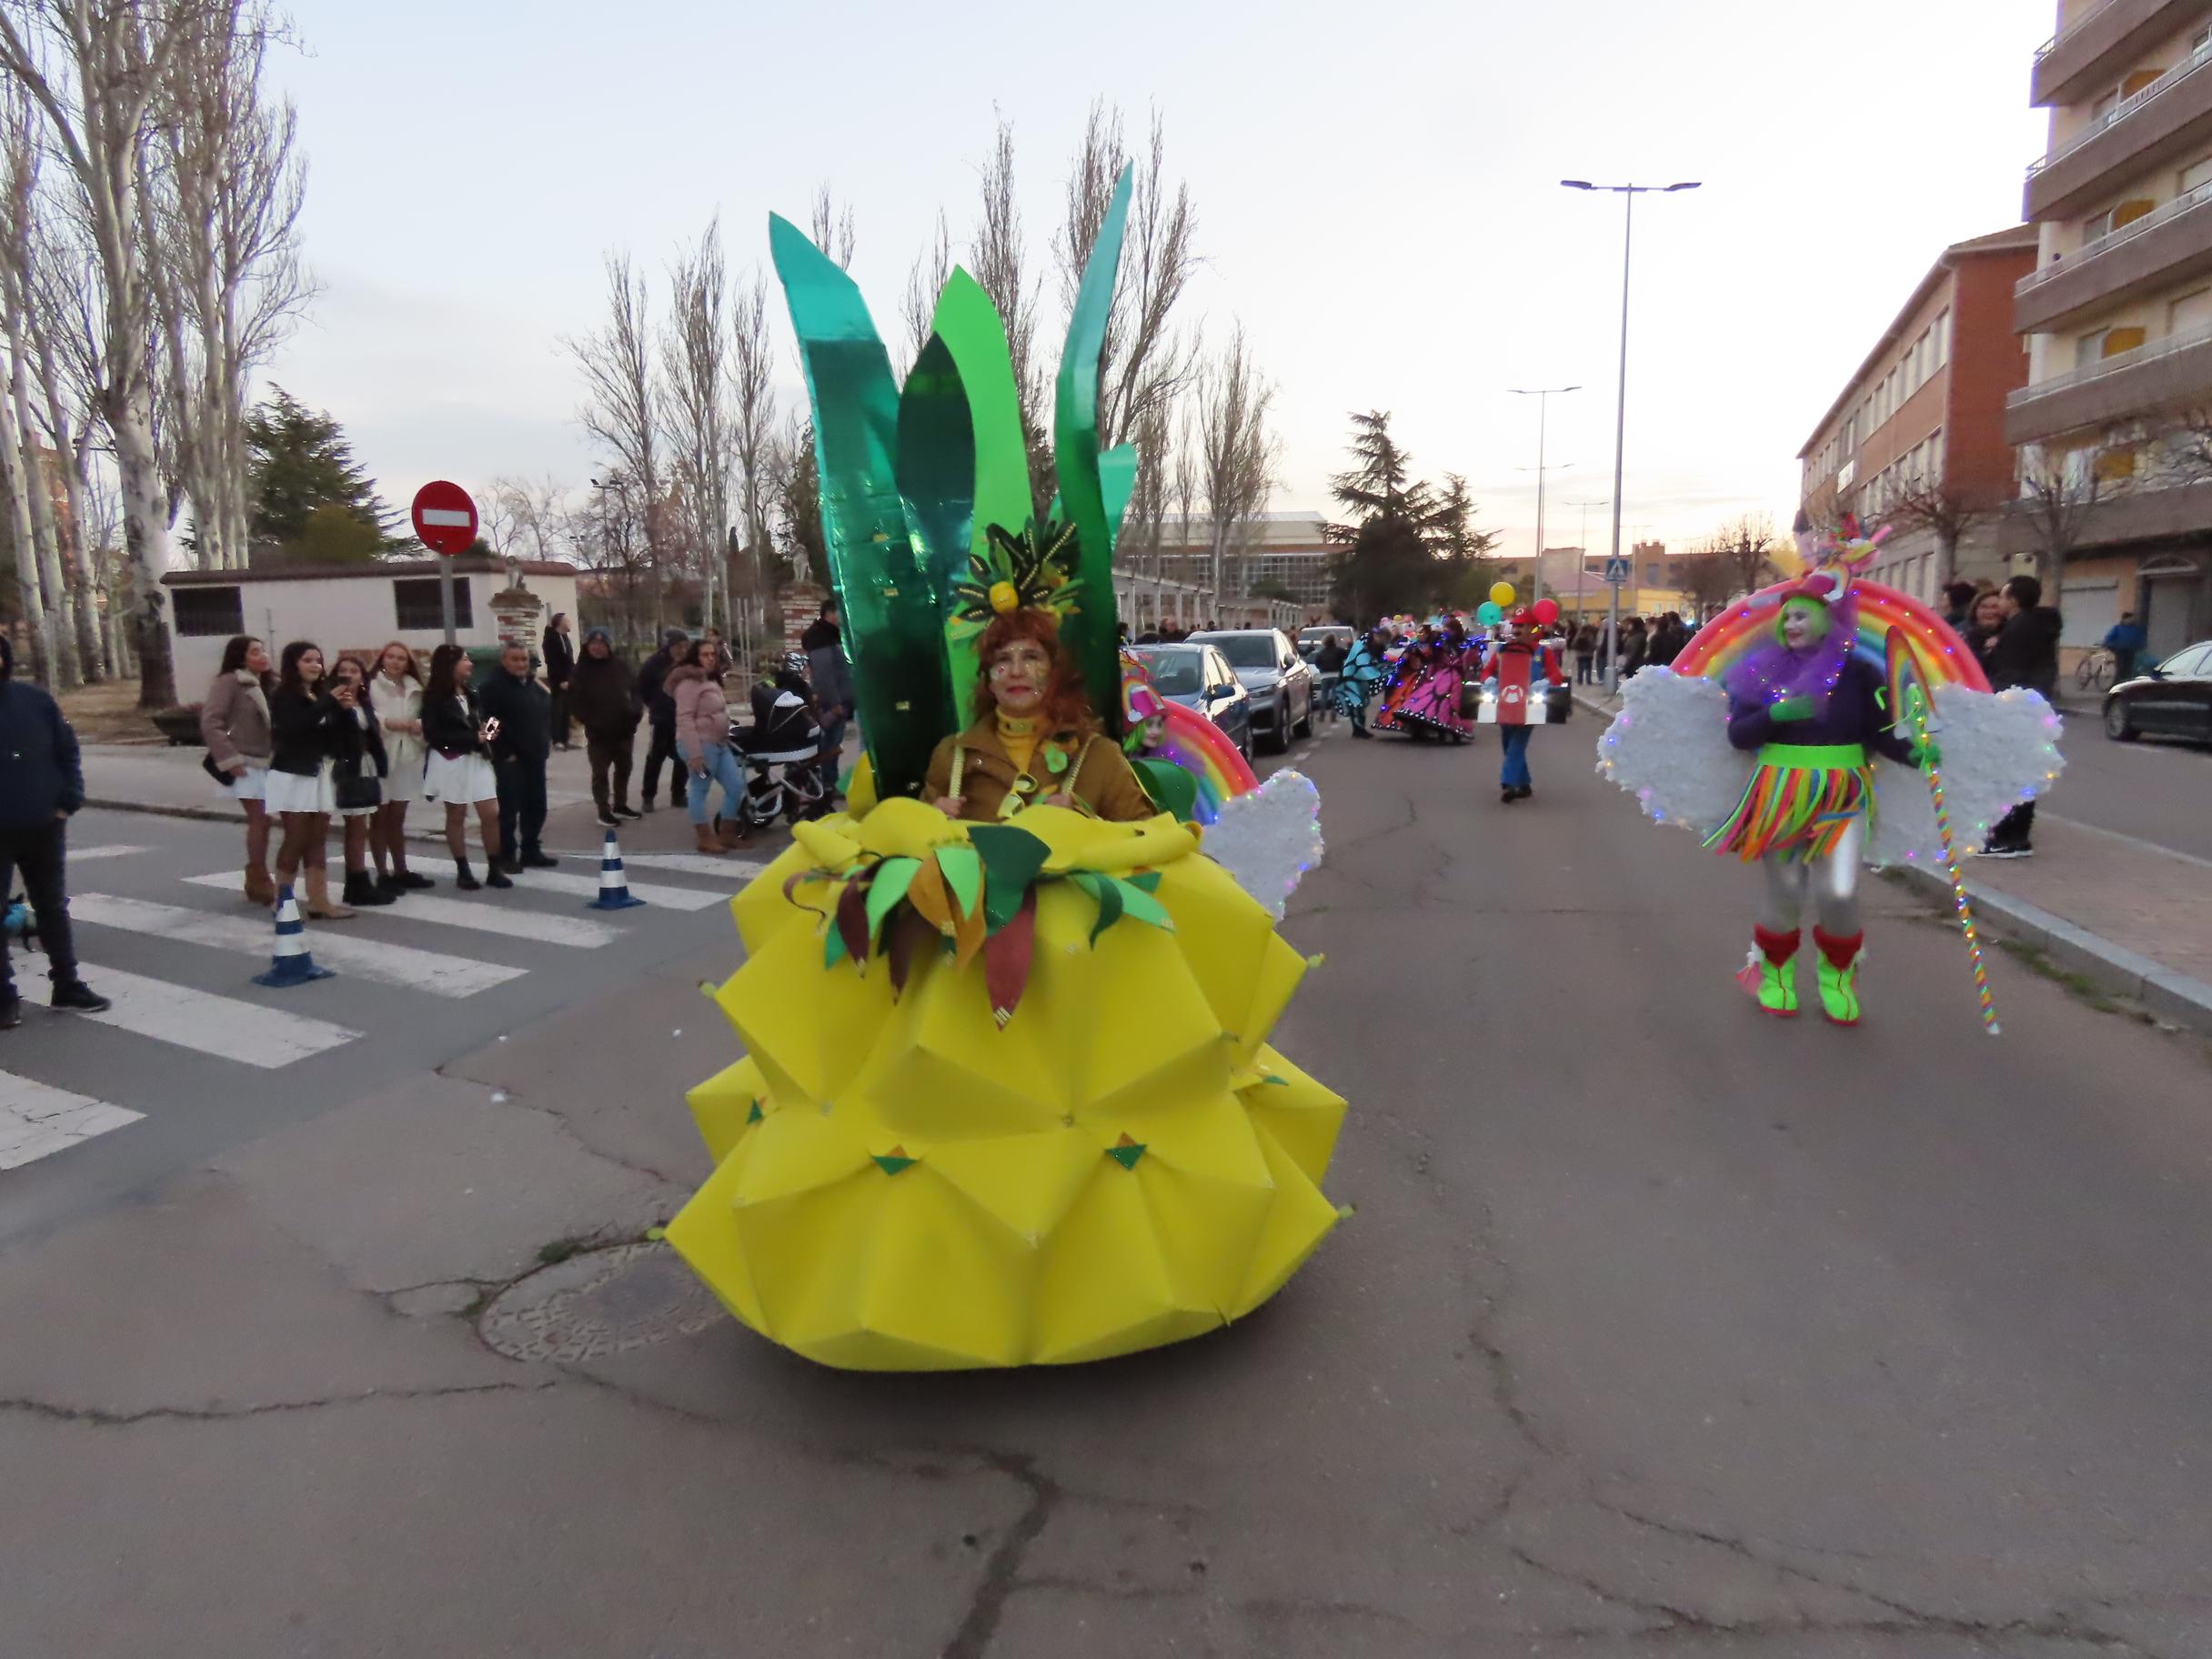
614,886
291,963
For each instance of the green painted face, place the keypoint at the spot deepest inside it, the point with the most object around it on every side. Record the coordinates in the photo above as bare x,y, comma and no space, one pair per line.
1804,623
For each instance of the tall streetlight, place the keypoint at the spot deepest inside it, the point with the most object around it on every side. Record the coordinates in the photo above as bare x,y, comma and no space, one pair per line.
1544,396
1628,193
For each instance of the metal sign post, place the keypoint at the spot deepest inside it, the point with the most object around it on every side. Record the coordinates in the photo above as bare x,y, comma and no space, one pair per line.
446,522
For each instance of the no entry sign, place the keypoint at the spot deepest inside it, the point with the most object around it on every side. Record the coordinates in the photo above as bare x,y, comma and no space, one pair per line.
445,519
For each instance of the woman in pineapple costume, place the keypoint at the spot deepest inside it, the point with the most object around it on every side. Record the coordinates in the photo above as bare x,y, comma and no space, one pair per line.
1008,1097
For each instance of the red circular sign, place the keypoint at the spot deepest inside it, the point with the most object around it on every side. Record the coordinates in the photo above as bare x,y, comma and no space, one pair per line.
445,519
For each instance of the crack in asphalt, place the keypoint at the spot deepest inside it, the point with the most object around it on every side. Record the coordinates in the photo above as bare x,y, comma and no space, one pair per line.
514,1097
1001,1573
98,1417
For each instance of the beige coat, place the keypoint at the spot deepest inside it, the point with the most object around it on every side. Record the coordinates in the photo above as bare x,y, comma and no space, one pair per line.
235,721
1102,781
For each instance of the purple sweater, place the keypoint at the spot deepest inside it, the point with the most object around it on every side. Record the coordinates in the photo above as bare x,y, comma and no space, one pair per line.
1853,714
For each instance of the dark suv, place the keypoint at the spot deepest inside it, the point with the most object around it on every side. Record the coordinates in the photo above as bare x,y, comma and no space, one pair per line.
1282,684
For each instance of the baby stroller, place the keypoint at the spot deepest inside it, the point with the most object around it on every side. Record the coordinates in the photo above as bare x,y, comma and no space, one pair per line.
781,749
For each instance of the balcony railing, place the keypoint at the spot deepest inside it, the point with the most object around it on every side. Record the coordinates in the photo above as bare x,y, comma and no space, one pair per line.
2126,107
2080,23
2150,351
2187,202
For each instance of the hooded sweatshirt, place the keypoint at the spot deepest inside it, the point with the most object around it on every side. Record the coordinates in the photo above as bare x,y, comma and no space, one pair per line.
41,776
2025,652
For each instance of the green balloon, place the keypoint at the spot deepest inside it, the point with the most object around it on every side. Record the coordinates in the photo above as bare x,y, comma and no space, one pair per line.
1489,613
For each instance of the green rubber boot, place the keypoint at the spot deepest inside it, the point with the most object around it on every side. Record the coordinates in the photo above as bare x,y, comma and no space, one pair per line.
1839,976
1770,973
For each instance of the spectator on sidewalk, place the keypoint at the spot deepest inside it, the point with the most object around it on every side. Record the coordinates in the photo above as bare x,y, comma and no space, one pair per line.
1985,621
1586,653
831,677
2024,653
660,706
235,725
604,695
42,783
2126,641
1667,640
1635,647
458,774
1958,606
396,694
702,739
560,668
520,749
362,762
304,714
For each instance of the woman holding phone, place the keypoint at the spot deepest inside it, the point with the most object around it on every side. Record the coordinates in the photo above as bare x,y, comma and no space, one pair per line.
459,772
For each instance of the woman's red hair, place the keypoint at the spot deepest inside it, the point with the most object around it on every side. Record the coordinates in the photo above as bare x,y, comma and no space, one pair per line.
1065,708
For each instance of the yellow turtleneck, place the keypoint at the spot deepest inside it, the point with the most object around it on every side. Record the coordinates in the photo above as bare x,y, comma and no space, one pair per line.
1019,738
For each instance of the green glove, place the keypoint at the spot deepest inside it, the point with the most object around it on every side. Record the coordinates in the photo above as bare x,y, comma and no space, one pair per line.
1926,753
1792,709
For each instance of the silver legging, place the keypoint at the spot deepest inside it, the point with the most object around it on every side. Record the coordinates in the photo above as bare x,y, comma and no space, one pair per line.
1833,880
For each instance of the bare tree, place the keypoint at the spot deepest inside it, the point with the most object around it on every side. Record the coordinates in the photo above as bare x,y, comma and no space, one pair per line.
833,228
695,373
224,192
534,512
622,408
924,283
1945,512
1749,550
97,70
1000,260
753,440
2059,494
48,605
1237,449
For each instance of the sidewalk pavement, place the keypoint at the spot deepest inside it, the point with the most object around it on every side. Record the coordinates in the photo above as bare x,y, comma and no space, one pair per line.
135,778
2136,921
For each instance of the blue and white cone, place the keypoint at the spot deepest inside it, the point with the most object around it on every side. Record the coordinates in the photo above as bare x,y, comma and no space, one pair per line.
614,886
291,964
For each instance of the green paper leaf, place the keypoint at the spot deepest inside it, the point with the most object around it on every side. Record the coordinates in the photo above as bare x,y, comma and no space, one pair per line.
1149,882
755,1115
1127,1154
1012,858
1055,759
1143,907
1108,892
833,951
963,874
891,1163
888,888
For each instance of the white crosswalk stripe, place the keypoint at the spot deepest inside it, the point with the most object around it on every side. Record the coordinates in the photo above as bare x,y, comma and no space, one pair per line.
484,916
80,855
588,887
428,972
37,1119
226,1027
735,871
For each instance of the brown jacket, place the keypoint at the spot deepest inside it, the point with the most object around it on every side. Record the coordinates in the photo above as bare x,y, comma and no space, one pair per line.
1103,782
235,721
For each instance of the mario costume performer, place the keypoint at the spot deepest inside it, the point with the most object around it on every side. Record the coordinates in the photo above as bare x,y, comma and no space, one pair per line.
1505,661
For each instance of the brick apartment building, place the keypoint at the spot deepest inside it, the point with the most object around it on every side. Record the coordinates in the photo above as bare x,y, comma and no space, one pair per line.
2118,318
1922,421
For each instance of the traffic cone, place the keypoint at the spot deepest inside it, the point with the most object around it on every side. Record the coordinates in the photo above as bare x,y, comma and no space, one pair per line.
291,964
614,886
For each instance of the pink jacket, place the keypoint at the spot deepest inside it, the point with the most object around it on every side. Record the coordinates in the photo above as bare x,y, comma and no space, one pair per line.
702,713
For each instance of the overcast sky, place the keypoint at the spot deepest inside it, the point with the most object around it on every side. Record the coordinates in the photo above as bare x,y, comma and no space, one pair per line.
1377,186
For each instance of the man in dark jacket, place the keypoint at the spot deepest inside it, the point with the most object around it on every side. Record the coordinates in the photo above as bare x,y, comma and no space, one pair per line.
660,709
2024,653
40,784
824,643
523,709
605,696
560,668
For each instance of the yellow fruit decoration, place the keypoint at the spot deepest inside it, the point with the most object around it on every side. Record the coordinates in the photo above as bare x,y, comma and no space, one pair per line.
1008,1097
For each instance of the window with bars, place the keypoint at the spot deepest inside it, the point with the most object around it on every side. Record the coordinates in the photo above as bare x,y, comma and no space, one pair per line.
203,613
416,605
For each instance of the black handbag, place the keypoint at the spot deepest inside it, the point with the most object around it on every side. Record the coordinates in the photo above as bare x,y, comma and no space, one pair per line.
351,794
208,766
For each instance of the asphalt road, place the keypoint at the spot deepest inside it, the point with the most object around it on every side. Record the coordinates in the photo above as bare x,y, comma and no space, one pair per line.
1661,1328
2153,789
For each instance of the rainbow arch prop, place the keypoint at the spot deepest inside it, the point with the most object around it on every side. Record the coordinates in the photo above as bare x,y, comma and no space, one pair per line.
1203,749
1938,654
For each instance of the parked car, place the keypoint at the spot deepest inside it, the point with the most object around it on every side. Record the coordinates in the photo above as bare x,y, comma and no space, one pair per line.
1199,677
1283,683
1310,639
2173,699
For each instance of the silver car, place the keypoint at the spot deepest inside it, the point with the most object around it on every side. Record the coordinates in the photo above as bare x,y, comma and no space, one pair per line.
1282,684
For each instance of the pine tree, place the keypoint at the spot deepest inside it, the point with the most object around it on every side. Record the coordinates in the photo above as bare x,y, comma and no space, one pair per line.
312,503
1402,536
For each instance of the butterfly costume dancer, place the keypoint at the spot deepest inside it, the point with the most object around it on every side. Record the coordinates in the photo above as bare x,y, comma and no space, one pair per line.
1008,1097
1775,739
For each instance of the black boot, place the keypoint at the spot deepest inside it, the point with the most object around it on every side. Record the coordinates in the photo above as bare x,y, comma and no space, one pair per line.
361,890
77,997
411,880
391,886
11,1010
465,879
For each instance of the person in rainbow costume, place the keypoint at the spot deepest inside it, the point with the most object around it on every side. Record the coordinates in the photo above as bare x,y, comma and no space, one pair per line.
1008,1097
1762,739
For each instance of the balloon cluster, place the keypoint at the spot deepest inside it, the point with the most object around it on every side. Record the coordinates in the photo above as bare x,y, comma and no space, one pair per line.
1491,611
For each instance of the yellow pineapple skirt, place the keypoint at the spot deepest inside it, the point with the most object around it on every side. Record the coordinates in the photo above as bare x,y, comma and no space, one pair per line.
1059,1136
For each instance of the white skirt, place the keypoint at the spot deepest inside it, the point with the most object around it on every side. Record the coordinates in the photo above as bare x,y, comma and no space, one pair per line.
290,792
252,784
404,752
459,783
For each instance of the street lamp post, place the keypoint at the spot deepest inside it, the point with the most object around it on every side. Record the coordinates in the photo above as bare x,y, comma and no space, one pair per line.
1628,193
1543,395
